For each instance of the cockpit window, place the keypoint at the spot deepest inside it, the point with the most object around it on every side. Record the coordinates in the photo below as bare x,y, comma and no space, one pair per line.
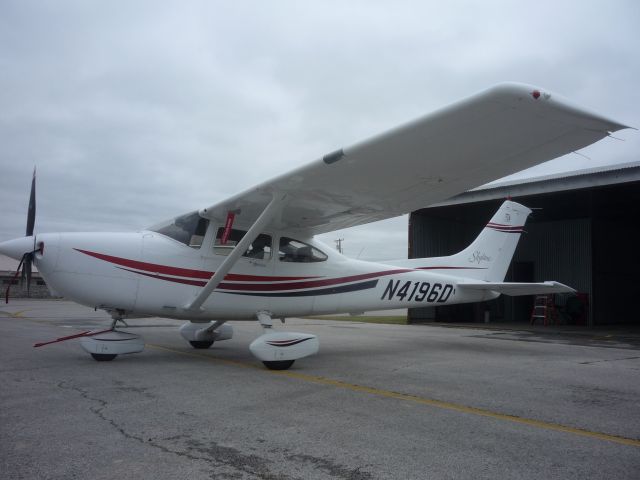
188,229
292,250
260,248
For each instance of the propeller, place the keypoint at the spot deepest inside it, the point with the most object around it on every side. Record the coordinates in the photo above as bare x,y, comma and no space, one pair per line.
26,262
31,221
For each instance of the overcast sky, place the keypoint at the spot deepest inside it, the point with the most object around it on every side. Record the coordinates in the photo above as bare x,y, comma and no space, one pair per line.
136,111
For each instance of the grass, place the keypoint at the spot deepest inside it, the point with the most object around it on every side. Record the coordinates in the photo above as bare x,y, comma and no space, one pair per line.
396,320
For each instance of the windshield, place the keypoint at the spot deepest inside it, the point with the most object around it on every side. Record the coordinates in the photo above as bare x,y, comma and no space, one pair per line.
188,229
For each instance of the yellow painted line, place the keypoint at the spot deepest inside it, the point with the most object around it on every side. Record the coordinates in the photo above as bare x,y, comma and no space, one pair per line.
14,314
416,399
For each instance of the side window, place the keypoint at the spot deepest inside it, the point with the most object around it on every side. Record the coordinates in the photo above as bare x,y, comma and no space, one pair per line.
260,248
292,250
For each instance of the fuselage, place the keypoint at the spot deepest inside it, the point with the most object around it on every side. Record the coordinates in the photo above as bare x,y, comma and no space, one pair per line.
148,273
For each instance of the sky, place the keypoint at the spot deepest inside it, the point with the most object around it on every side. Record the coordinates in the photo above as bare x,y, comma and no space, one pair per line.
137,111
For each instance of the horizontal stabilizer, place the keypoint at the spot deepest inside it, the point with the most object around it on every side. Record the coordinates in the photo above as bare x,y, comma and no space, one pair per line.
517,288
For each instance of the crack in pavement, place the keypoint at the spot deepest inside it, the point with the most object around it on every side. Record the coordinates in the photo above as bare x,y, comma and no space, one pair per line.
232,457
216,456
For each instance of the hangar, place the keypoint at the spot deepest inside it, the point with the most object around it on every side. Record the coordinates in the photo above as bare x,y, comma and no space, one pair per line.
584,232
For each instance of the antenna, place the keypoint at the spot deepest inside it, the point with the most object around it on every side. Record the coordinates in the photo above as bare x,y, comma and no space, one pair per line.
339,244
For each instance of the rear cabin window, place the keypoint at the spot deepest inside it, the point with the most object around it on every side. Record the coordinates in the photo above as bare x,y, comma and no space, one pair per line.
188,229
260,248
292,250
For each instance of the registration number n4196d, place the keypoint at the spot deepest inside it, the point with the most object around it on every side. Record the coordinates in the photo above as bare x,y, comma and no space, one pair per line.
417,291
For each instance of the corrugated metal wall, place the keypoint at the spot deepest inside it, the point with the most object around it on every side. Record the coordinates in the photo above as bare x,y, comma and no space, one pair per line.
434,237
558,250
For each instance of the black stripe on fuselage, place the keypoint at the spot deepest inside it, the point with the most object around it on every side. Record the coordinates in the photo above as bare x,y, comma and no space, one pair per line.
307,293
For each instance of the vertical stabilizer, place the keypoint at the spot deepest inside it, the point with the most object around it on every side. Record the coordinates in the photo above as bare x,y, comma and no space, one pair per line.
489,255
491,252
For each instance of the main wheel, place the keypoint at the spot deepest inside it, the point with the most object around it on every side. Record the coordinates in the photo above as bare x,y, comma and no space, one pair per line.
103,357
278,364
201,344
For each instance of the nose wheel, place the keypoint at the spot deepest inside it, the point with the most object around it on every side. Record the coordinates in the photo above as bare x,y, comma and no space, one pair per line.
103,357
200,345
278,364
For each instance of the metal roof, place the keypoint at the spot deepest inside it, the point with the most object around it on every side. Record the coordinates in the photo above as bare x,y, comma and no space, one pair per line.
578,179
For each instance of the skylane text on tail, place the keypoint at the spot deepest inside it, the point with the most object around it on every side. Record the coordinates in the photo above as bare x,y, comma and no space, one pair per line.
254,255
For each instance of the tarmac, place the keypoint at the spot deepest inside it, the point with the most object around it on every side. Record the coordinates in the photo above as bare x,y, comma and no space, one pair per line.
378,402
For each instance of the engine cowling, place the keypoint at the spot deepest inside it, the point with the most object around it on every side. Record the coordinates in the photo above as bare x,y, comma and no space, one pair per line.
281,346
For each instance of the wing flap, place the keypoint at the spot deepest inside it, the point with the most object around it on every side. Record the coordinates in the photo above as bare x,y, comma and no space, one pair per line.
517,288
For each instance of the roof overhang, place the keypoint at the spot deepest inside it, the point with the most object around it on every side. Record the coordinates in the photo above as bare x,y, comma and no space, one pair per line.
580,179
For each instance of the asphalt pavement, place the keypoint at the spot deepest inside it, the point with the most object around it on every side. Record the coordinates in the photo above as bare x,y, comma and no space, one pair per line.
377,402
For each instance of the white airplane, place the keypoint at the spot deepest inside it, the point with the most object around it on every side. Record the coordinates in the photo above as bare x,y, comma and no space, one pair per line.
254,256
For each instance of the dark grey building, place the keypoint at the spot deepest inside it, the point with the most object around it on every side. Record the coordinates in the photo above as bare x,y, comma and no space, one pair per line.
584,232
8,268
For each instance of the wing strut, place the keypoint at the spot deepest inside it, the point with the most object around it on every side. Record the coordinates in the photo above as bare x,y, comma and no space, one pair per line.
270,211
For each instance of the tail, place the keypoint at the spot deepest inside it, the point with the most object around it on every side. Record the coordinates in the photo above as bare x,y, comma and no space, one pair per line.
490,254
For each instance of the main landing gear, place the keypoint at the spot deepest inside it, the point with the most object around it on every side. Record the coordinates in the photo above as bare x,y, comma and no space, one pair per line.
278,350
202,335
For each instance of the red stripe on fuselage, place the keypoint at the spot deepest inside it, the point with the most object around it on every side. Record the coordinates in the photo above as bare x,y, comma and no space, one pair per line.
196,283
270,287
183,272
198,278
451,268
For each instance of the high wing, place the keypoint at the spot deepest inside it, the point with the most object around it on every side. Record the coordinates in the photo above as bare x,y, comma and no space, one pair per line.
497,132
517,288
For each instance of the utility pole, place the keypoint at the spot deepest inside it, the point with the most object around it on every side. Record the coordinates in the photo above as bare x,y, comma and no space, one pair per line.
339,244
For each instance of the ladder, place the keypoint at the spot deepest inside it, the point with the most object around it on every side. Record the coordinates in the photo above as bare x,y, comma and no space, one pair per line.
544,307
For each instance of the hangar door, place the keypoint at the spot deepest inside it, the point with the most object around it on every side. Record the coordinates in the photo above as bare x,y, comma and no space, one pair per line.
549,250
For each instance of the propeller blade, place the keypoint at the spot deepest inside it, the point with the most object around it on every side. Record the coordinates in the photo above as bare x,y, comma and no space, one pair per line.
27,269
26,262
6,294
31,221
31,212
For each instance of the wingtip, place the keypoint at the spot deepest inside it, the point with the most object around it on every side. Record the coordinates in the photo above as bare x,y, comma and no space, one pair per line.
519,91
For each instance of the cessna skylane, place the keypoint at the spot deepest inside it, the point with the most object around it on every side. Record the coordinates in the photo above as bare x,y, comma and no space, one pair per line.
254,256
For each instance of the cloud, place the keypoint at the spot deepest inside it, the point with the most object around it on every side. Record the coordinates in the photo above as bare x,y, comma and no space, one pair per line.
139,111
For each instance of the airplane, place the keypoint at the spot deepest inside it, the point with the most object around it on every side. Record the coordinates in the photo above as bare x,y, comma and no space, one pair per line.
254,257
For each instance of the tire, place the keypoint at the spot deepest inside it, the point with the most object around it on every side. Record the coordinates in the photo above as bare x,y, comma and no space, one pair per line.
279,364
103,357
199,344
